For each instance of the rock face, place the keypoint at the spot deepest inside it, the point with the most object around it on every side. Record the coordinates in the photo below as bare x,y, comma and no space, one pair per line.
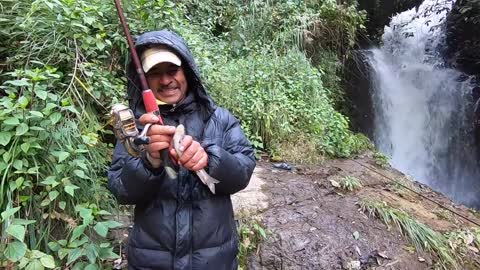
357,85
463,47
379,14
463,38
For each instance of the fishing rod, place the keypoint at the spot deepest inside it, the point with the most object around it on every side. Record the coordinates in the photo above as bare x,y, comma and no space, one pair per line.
125,127
149,100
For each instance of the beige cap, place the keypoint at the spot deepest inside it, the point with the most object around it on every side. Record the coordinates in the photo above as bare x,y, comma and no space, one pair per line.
157,55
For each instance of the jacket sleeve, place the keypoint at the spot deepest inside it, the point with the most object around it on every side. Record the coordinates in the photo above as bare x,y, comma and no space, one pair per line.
232,163
130,179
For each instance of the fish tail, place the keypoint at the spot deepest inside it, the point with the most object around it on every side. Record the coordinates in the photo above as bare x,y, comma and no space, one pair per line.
168,164
207,180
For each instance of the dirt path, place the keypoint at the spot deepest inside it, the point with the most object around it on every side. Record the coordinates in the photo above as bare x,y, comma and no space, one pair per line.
314,226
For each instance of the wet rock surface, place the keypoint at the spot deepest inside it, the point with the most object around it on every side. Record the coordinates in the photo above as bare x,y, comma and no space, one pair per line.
463,40
379,13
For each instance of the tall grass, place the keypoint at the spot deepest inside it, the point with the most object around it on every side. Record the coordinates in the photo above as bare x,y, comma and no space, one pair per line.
423,237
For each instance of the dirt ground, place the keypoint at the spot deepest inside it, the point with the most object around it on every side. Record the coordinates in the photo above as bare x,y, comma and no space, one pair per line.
313,225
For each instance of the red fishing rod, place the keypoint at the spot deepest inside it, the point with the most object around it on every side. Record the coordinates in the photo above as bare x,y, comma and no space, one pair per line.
149,100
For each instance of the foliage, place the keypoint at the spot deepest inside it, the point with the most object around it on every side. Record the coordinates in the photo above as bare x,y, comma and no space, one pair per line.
62,69
423,237
464,241
275,111
251,234
381,159
62,64
349,183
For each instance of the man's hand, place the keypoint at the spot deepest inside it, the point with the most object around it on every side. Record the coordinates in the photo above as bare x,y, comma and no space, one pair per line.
194,157
160,138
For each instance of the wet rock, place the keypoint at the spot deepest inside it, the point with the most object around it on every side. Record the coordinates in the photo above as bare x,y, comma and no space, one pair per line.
379,14
463,40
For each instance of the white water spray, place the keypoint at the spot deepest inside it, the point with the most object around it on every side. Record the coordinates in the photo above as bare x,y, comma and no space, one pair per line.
423,111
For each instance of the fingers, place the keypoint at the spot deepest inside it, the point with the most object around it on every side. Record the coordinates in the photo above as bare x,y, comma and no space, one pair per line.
186,142
190,148
154,148
201,164
161,130
160,138
148,118
194,158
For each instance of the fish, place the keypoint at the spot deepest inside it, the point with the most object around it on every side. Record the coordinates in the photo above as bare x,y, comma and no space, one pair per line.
202,174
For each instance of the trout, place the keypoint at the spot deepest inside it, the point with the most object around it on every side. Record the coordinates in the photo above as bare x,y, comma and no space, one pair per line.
202,174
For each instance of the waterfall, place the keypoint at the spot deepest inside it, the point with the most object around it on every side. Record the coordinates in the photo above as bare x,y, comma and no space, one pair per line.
423,109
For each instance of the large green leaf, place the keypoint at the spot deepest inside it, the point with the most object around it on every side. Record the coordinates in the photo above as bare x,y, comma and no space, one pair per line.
13,121
101,228
74,254
62,156
41,94
92,267
112,224
15,251
70,189
21,129
17,231
5,137
80,174
91,252
35,265
9,212
77,232
52,195
48,261
22,82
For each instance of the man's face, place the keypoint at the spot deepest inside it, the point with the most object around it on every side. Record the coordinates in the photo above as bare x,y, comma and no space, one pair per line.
168,82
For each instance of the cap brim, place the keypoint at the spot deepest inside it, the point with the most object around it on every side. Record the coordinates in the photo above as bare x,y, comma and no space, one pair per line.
154,58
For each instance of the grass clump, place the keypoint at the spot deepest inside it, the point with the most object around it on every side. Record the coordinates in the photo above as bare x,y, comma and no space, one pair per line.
347,183
381,159
423,237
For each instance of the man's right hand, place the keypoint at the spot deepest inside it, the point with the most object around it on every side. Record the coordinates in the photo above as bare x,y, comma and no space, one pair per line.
160,138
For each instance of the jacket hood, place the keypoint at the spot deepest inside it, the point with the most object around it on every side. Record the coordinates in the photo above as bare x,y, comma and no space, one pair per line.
179,46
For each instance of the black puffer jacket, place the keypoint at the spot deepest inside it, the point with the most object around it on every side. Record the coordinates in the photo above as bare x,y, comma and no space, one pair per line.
180,224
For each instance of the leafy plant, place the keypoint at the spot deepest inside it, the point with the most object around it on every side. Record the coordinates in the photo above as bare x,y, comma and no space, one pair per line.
347,183
62,70
251,234
62,65
381,159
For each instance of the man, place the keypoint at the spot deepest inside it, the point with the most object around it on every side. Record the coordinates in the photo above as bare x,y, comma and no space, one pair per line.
179,223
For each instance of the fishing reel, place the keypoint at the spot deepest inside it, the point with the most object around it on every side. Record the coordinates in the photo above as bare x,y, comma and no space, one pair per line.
126,131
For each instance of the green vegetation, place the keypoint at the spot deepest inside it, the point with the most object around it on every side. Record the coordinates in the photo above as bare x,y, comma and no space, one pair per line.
275,64
346,183
380,159
251,234
350,183
422,237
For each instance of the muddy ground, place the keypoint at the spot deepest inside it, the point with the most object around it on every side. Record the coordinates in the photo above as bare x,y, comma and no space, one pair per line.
314,225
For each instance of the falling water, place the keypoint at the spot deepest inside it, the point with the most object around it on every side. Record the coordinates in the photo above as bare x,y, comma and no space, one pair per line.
423,110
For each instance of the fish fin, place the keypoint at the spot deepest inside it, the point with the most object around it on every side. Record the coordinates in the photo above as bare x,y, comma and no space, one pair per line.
207,180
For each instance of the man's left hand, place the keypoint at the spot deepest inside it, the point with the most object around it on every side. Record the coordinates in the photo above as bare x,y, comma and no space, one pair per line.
194,157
